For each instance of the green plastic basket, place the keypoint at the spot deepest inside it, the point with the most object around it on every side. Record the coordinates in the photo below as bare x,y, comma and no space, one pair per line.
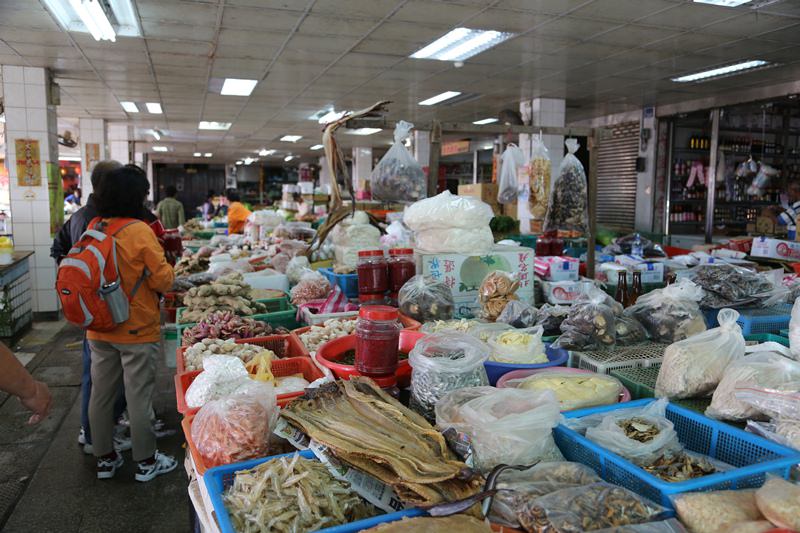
641,382
204,235
766,337
785,333
279,313
528,241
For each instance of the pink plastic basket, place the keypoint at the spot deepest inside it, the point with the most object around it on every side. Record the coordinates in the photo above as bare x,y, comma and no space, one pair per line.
624,396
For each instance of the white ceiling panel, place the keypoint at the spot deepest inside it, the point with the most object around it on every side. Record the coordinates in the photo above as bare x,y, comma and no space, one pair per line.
158,11
259,20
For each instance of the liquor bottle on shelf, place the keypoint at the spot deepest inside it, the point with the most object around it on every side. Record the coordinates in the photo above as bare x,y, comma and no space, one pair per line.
621,294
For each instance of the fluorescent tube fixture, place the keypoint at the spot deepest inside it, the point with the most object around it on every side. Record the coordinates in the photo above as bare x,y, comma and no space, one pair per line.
239,162
264,152
316,147
720,72
130,107
155,134
197,154
291,138
461,43
248,160
363,131
207,154
485,121
433,100
288,158
724,3
91,16
208,125
154,108
238,87
160,149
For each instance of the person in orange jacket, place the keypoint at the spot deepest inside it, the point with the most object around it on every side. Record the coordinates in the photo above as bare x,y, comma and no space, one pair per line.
237,212
129,352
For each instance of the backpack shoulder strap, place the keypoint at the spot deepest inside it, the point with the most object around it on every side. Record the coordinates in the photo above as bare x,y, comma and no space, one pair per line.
120,225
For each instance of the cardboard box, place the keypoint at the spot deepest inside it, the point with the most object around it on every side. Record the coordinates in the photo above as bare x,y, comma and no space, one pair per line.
483,191
564,292
464,273
775,249
557,268
652,272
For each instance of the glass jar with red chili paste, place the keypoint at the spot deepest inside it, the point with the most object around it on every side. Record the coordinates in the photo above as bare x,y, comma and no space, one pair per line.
377,340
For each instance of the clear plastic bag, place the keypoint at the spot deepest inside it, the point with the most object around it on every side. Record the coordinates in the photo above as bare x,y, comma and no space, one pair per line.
539,171
424,299
590,324
629,331
761,180
664,526
693,367
443,362
518,346
222,375
573,390
484,330
794,330
311,286
726,285
504,426
588,508
495,291
550,318
779,501
446,210
568,207
670,314
455,240
507,184
235,428
398,177
518,314
716,511
296,267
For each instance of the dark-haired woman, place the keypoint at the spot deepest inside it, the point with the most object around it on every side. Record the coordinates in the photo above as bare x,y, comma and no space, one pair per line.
237,212
208,209
128,353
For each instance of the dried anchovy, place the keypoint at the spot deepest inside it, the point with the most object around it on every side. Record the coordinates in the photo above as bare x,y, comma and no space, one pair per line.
639,429
680,467
291,495
726,285
429,387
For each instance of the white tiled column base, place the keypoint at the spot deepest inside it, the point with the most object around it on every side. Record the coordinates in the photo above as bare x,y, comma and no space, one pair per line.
28,116
362,167
92,131
551,112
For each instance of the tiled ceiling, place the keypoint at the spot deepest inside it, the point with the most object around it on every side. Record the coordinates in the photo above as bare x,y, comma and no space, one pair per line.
603,56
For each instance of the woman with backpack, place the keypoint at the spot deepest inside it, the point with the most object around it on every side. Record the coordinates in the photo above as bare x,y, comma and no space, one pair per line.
127,352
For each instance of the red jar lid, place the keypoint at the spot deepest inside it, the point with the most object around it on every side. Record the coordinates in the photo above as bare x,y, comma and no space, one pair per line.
370,253
401,251
379,312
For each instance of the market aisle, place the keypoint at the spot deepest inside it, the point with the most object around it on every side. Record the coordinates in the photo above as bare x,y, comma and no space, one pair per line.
47,484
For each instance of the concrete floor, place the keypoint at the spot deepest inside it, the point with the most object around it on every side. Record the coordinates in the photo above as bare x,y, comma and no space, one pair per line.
47,483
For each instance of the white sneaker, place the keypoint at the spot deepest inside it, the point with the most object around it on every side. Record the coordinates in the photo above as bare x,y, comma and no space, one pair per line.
81,437
121,444
106,468
161,465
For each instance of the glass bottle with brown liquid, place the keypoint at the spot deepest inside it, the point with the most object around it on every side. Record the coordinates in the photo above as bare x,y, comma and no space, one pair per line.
622,289
636,289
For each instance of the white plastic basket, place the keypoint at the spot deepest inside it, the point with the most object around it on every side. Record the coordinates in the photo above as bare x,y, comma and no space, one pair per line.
642,355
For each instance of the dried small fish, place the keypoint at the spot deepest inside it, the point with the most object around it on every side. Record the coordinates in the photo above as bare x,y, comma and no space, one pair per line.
639,429
680,467
291,495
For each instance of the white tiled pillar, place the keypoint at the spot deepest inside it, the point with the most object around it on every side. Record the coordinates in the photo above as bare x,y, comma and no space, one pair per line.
362,167
646,181
551,112
30,117
93,149
422,147
119,136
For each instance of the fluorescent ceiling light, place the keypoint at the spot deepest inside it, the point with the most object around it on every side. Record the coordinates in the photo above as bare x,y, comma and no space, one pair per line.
248,160
155,134
130,107
154,108
264,152
316,147
75,158
363,131
725,3
207,154
288,158
238,87
291,138
197,154
87,16
239,162
160,149
461,43
485,121
433,100
93,16
719,72
210,125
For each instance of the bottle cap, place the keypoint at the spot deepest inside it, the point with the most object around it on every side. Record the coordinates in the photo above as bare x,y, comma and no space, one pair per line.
379,312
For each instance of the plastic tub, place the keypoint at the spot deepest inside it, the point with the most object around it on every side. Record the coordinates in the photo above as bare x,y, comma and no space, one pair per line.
624,396
283,346
496,370
331,351
347,282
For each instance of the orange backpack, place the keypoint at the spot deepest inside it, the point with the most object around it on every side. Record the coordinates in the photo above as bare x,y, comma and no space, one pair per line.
88,282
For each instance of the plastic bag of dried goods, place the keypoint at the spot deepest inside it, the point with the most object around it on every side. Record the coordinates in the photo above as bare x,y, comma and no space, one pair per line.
507,185
539,170
639,434
311,286
518,346
758,370
484,330
235,428
504,426
779,501
670,314
590,323
568,206
629,331
222,376
495,291
398,177
716,511
478,240
550,318
424,299
665,526
446,210
726,285
693,367
574,390
518,314
296,267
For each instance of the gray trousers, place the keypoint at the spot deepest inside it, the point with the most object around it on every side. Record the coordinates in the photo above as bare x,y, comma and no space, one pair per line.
112,365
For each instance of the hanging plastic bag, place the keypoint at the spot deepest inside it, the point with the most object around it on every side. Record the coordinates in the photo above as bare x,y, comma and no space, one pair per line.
693,367
504,426
670,314
761,180
235,428
794,330
222,376
495,291
539,171
779,502
447,210
518,314
589,325
568,206
507,186
518,346
573,390
398,177
424,299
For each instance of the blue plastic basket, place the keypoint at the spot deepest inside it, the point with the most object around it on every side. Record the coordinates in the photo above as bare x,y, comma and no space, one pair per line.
495,370
765,319
711,318
347,282
221,477
752,456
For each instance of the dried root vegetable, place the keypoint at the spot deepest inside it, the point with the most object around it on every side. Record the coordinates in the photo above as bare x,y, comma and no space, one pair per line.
330,329
496,290
227,325
291,494
226,293
191,265
194,355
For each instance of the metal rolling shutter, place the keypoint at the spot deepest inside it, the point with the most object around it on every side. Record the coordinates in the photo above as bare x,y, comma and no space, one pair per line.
616,177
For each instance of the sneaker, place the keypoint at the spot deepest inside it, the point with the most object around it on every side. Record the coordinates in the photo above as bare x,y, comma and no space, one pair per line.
106,468
161,465
81,437
121,444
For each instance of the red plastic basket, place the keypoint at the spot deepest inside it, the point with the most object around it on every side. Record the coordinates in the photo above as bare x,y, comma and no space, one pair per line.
280,368
408,324
282,346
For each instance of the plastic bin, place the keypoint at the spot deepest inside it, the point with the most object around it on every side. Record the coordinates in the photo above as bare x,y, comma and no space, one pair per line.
604,361
283,346
280,368
347,282
751,456
528,241
766,337
710,316
496,370
765,319
221,477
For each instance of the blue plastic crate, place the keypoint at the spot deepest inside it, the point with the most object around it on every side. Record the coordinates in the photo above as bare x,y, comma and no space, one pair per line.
785,333
765,319
711,318
752,456
221,477
347,282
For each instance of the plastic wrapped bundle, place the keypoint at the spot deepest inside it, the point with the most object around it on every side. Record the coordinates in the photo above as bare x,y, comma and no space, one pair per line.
518,346
539,172
446,210
507,184
424,299
590,324
670,314
731,286
568,207
398,177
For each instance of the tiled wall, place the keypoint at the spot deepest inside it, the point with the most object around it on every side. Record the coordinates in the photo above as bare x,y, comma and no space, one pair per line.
92,130
551,112
118,149
29,117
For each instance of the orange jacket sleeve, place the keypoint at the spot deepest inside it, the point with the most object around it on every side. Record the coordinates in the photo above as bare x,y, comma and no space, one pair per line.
161,273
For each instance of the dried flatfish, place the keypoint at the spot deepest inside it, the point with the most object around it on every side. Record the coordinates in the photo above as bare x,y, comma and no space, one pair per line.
639,429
